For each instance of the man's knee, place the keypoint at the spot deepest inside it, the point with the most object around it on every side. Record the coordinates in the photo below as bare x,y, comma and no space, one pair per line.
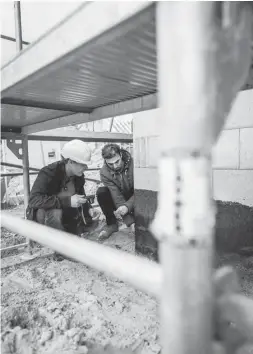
53,218
103,192
104,196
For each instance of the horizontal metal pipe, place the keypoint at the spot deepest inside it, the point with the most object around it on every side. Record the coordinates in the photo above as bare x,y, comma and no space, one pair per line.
93,180
18,166
13,174
8,38
87,139
143,274
37,169
35,173
94,169
20,245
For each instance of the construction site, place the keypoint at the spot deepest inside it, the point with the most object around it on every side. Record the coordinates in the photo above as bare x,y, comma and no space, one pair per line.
171,83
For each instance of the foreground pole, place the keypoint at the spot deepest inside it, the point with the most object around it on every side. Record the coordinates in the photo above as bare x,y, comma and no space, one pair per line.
203,60
141,273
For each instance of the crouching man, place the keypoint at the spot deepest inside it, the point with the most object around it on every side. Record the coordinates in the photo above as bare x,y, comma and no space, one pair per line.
116,197
57,198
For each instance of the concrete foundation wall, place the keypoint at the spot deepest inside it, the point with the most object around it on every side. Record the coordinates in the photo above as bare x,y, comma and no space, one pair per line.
232,167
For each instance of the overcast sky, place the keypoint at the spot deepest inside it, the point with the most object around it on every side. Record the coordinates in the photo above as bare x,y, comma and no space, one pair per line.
37,18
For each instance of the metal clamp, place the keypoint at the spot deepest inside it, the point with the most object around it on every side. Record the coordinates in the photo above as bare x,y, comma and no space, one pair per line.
186,211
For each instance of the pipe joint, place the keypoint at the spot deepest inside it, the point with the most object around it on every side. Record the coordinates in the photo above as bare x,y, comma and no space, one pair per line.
186,211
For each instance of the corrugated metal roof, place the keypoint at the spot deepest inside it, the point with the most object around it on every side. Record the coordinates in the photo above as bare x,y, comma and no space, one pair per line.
70,71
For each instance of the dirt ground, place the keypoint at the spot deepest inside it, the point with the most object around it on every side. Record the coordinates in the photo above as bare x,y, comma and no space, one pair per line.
68,308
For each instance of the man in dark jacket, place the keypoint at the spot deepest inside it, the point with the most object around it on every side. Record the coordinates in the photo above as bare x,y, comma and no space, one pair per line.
116,197
57,198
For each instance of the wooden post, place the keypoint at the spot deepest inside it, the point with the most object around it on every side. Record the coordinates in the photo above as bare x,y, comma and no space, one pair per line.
26,179
200,70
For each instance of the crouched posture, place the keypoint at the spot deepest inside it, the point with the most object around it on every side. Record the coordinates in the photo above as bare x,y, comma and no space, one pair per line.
57,197
117,194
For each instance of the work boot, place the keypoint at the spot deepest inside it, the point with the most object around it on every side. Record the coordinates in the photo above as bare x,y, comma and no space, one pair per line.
107,232
91,228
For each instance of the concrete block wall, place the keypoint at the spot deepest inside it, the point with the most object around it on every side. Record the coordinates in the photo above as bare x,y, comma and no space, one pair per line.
233,154
232,161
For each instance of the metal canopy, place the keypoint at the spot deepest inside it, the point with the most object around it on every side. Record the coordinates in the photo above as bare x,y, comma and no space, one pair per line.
93,68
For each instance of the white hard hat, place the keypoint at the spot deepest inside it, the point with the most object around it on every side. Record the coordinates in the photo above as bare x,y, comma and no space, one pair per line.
77,150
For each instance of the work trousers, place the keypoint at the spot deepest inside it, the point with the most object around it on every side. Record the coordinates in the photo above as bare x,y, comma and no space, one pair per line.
68,219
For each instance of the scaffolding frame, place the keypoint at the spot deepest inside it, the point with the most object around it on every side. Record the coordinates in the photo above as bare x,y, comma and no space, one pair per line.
184,225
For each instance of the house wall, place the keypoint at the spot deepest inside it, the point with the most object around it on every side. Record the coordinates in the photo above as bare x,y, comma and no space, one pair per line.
232,177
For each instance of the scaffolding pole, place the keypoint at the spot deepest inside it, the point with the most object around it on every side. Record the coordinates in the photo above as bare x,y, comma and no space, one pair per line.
201,68
18,26
26,179
5,171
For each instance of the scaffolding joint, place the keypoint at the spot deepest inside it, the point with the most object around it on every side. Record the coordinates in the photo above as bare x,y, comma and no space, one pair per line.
186,213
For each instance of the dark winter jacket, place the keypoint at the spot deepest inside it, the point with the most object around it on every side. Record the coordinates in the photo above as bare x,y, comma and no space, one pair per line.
47,185
120,184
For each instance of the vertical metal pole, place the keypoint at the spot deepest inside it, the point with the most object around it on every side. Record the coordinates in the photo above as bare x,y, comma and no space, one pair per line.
111,124
185,217
42,153
5,178
201,67
18,25
26,179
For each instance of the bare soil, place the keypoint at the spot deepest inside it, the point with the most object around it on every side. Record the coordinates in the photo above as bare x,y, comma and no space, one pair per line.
66,307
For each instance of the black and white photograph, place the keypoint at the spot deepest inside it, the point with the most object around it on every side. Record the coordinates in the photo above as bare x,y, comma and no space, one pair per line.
126,177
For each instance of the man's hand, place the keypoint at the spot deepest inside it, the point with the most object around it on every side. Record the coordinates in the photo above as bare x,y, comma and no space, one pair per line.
77,200
122,210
